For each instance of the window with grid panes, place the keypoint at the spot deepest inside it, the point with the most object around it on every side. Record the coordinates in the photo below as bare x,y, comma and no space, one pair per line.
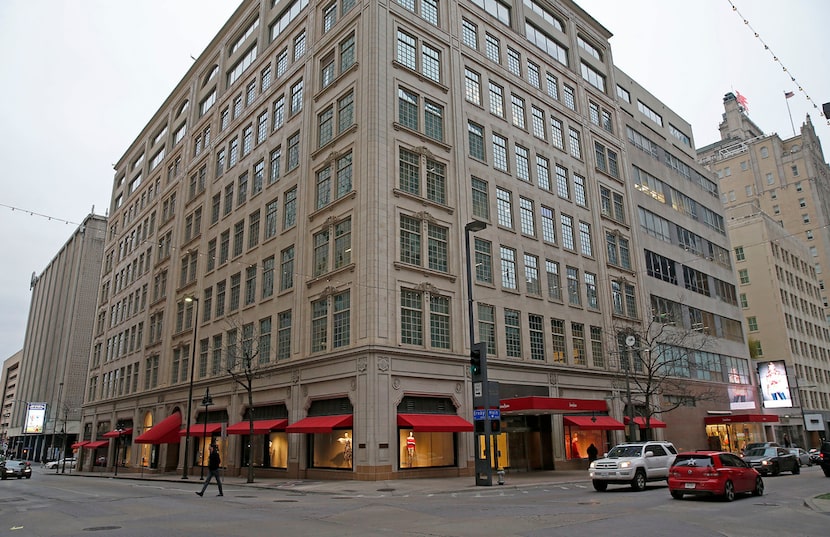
237,106
297,97
284,335
580,191
537,337
431,62
572,275
211,259
559,346
592,299
569,96
574,143
543,173
345,112
259,172
242,189
567,224
437,247
554,280
504,207
253,229
250,93
293,151
522,163
585,240
439,321
481,202
233,153
556,135
412,322
406,50
472,86
224,246
319,325
475,137
508,268
500,152
578,338
238,237
433,120
496,99
512,333
279,112
287,268
514,62
492,48
250,285
321,253
236,290
341,320
548,225
271,219
299,45
533,75
537,121
268,277
408,109
487,326
517,110
329,16
483,260
265,78
262,127
289,210
526,217
325,127
469,34
612,204
532,285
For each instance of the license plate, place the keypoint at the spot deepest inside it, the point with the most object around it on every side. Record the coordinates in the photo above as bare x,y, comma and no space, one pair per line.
689,485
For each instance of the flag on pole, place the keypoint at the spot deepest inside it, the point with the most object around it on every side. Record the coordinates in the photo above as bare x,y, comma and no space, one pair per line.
788,94
742,101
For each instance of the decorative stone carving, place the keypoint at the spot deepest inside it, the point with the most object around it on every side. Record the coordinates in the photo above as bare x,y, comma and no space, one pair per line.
362,364
295,376
458,387
396,383
553,379
383,364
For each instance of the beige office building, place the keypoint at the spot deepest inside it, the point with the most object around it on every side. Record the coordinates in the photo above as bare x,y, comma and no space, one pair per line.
301,203
8,382
787,179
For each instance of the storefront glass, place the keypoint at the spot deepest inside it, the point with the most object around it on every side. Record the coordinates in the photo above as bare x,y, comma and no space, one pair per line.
269,450
426,450
734,436
579,442
332,450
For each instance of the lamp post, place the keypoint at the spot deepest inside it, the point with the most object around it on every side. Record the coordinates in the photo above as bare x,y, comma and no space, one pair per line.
119,428
207,400
630,341
806,434
190,385
478,360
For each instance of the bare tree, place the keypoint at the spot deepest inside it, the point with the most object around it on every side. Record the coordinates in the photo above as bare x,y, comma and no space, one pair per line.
657,360
245,357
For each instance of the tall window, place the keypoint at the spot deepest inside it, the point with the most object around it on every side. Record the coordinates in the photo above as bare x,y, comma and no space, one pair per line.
414,250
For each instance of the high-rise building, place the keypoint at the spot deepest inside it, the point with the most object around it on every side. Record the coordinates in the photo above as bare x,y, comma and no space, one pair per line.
289,232
8,388
787,181
52,373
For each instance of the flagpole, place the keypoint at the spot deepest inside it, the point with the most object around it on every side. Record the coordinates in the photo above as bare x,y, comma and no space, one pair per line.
787,99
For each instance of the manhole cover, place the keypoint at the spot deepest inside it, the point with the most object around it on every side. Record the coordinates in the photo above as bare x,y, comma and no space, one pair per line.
102,528
240,496
284,501
386,490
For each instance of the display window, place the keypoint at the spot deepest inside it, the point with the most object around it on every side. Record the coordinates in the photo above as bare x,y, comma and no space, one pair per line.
585,444
425,449
734,436
269,450
332,450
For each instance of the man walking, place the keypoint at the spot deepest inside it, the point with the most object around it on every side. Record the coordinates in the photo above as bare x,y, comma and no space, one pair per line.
213,470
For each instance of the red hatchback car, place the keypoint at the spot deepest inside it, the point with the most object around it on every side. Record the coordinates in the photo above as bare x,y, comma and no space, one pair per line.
714,473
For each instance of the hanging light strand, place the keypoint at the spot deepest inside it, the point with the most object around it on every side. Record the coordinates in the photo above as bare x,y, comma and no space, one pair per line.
777,60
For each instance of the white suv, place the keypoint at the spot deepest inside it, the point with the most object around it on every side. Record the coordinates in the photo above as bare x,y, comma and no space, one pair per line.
633,463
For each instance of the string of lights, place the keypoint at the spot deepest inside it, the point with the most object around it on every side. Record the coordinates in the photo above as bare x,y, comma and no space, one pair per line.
41,215
777,60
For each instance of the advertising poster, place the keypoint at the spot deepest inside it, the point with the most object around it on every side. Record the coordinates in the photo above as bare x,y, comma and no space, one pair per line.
35,418
774,385
741,394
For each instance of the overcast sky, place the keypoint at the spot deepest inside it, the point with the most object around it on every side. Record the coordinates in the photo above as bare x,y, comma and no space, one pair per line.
83,77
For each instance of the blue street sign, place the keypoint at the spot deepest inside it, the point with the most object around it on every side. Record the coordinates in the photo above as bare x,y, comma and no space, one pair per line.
494,414
478,414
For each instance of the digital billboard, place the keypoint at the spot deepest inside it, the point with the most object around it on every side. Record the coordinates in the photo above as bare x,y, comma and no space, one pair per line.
35,418
775,388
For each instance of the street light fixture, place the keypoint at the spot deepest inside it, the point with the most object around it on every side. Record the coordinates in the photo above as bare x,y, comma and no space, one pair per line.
119,428
207,400
190,385
478,359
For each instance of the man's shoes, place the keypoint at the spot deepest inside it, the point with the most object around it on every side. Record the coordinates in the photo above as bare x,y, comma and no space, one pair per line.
220,494
200,493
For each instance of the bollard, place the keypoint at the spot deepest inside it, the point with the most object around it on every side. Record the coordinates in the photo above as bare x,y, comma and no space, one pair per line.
500,473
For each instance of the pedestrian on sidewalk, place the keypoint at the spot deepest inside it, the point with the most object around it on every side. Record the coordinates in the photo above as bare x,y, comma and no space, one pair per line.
213,470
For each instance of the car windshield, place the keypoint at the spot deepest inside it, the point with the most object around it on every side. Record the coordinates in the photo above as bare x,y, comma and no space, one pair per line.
761,452
625,451
693,460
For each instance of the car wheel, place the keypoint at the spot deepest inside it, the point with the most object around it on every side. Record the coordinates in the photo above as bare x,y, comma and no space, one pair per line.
796,469
29,476
639,481
677,495
600,486
759,487
729,491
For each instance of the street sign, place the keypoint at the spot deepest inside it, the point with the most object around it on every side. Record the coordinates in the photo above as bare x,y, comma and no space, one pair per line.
478,414
494,414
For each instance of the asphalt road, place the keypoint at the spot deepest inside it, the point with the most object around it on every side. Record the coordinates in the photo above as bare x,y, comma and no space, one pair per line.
60,505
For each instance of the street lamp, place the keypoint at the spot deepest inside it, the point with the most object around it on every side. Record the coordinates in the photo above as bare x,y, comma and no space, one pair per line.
806,433
478,360
119,428
207,400
630,341
190,385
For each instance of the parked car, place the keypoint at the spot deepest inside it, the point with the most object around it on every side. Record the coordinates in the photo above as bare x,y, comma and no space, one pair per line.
802,456
815,456
18,469
824,453
633,463
754,445
69,462
772,460
713,473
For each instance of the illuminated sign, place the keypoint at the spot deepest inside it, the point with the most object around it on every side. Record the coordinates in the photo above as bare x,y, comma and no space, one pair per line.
775,387
35,418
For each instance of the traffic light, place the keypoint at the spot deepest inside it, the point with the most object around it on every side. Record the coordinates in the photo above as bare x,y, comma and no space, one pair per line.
478,360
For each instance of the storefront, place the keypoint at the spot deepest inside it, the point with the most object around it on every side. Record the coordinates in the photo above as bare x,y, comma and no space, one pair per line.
429,440
164,432
269,443
732,432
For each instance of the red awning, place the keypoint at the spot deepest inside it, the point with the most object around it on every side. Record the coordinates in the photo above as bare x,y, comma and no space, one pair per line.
260,426
320,424
165,432
114,434
435,423
200,429
653,423
741,418
602,423
80,444
551,405
97,444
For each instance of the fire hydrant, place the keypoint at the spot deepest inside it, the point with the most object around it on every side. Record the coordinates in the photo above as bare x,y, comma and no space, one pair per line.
500,473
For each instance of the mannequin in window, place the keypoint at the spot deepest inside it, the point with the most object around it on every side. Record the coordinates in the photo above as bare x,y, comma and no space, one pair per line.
575,446
410,448
346,440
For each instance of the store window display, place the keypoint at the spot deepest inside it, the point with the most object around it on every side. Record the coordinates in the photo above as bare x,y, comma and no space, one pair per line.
332,450
426,449
269,450
578,442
